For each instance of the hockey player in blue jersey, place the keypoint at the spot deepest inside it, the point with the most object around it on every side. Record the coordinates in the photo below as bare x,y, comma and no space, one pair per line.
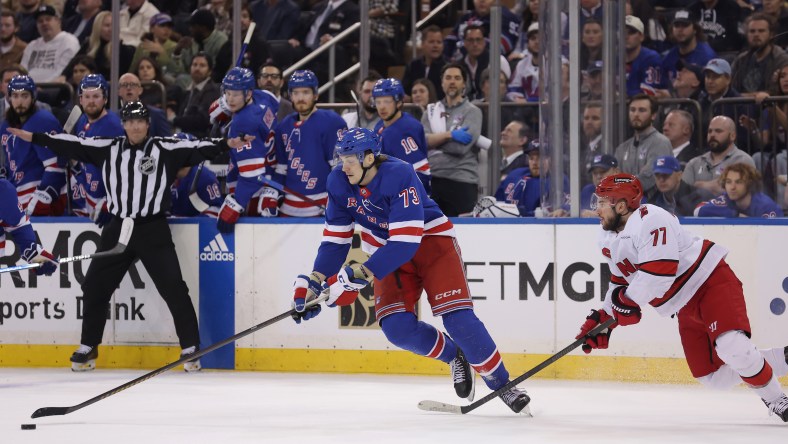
206,190
413,247
38,175
401,135
87,186
305,142
249,161
14,220
523,186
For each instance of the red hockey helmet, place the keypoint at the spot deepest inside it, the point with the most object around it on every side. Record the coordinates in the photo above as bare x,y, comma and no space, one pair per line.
621,186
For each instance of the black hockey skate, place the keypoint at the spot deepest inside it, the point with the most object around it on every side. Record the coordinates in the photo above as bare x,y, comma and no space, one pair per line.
84,359
463,377
190,366
779,407
517,400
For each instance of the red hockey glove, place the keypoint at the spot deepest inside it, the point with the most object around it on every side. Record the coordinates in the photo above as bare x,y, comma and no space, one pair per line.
48,263
344,286
600,340
625,310
40,204
219,112
268,204
228,215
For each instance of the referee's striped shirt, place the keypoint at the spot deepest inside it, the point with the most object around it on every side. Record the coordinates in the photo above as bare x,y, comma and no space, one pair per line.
137,177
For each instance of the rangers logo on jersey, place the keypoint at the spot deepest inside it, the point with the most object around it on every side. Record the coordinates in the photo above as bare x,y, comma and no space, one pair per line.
351,202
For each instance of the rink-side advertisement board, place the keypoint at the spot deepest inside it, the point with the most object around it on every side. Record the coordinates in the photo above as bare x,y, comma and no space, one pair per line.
532,283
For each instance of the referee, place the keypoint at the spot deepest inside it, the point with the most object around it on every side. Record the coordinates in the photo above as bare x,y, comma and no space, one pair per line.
137,171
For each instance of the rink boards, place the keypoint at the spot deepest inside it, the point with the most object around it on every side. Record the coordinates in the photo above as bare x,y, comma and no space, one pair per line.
532,282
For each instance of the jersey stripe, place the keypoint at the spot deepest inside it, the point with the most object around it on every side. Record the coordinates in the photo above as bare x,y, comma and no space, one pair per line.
251,167
338,234
685,277
661,267
437,349
489,365
618,280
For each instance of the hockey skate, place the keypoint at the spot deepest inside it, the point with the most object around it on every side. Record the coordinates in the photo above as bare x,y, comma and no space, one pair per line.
84,359
190,366
463,376
779,407
517,400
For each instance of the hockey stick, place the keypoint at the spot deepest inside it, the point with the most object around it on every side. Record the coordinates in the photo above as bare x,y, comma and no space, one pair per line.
71,122
120,247
247,38
358,107
194,198
435,406
54,411
283,189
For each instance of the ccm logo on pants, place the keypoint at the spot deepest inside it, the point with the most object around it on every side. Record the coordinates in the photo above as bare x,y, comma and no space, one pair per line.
447,294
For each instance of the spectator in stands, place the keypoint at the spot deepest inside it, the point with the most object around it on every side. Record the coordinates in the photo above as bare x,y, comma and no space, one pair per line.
742,196
47,56
204,38
135,20
753,70
688,83
508,113
429,64
11,47
158,45
6,74
221,12
774,122
719,20
690,46
678,127
513,139
80,66
129,90
591,48
270,79
600,166
369,116
26,18
671,193
642,64
779,11
422,94
453,125
590,9
192,116
717,85
703,172
257,52
637,154
524,86
100,46
277,19
592,133
480,15
382,30
592,78
477,57
529,188
81,24
149,72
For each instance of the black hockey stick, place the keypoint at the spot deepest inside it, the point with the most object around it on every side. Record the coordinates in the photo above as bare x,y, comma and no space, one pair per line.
120,247
55,411
71,122
435,406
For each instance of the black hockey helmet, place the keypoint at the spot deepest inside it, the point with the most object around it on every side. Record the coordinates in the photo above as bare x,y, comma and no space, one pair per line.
134,110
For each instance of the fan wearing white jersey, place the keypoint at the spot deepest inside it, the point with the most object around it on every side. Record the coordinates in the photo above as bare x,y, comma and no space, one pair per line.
654,261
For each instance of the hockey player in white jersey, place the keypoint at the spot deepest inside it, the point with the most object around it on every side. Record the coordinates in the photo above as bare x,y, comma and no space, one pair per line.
654,261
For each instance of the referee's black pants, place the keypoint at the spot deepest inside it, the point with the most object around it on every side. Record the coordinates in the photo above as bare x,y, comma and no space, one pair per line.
151,242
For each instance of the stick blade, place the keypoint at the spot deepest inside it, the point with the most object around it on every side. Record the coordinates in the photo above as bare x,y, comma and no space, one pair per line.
50,411
125,231
73,117
435,406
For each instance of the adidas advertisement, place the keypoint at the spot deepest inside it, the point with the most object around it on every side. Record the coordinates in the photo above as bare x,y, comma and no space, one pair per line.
216,250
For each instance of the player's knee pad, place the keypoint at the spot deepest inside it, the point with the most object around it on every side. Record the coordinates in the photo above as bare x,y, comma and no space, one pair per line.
738,351
461,323
399,328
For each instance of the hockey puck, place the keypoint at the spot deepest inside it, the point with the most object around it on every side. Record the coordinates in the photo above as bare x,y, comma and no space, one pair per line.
28,426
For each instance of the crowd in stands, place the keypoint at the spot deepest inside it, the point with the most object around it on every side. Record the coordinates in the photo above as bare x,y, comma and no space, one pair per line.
722,159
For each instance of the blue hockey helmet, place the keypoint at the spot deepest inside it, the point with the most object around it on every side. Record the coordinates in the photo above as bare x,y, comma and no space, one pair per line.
93,81
358,141
388,87
22,83
303,78
184,136
238,79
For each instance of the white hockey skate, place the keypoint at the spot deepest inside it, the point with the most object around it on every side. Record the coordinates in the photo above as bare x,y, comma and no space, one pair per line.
190,366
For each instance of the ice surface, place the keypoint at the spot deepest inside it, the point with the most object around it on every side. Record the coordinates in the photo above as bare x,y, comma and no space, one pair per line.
255,407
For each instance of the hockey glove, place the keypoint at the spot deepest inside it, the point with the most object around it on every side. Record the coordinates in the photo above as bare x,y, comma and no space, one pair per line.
305,289
344,286
461,135
47,261
228,214
219,112
268,204
40,204
600,340
101,215
625,310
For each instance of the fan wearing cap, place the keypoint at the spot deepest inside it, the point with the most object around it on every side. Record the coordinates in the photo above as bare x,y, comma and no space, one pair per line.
480,15
157,43
602,165
690,46
717,85
753,70
720,21
135,20
524,85
643,69
742,197
688,83
655,262
673,194
47,56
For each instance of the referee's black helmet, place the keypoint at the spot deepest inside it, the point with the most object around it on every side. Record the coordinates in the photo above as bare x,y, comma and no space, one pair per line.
134,110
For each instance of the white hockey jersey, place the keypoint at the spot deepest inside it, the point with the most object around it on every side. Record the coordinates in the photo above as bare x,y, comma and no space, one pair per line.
661,263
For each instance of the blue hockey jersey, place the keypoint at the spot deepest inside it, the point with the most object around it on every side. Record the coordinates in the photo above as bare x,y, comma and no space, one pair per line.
510,32
699,56
252,159
644,71
760,206
393,212
304,158
31,166
521,189
14,220
207,190
405,139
